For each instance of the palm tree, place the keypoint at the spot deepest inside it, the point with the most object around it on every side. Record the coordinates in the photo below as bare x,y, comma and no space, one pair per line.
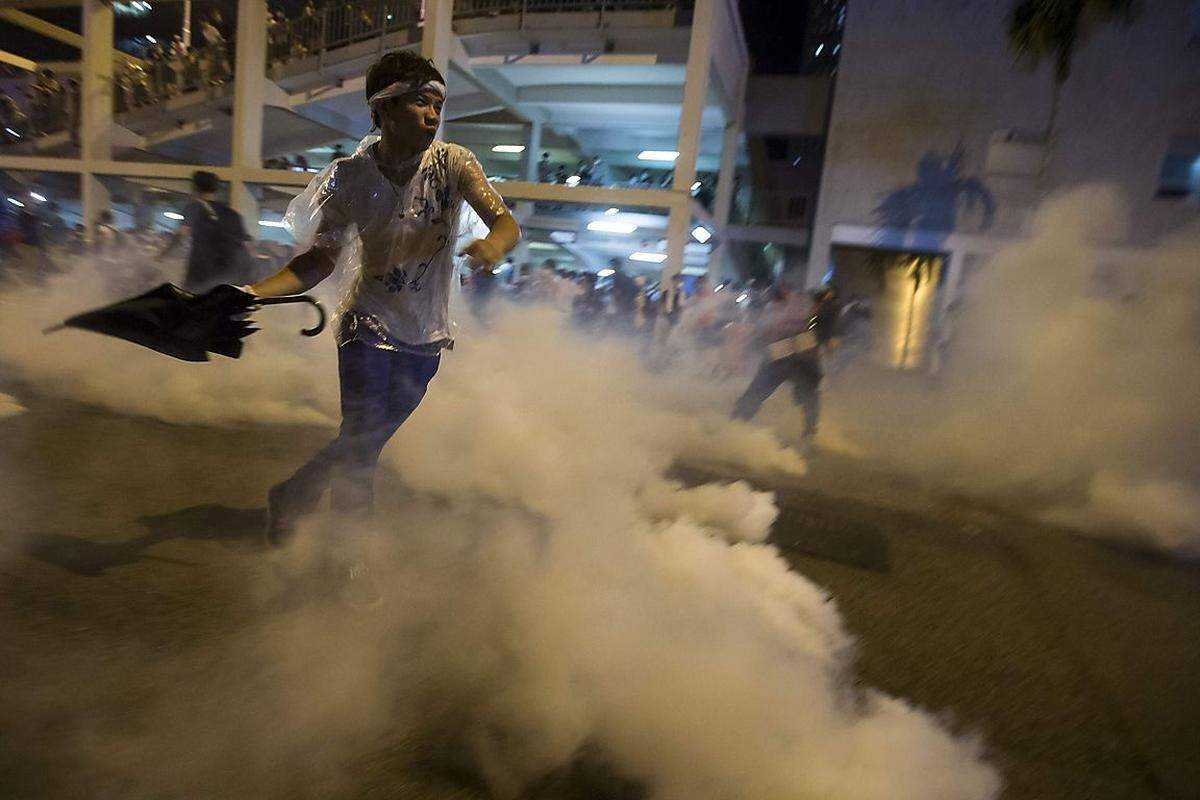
1040,29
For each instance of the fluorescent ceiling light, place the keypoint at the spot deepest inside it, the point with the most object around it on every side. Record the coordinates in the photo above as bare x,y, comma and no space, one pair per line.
562,237
611,226
743,297
604,273
658,155
16,202
696,185
509,148
573,180
37,197
151,39
701,234
272,223
649,258
542,246
14,133
608,212
172,215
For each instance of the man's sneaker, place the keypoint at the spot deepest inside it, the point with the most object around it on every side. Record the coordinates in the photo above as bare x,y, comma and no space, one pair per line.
281,521
360,591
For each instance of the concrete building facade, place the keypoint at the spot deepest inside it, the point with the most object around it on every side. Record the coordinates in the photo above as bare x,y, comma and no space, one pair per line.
937,135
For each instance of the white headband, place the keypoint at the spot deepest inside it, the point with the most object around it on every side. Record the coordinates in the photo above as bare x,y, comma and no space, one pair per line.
401,88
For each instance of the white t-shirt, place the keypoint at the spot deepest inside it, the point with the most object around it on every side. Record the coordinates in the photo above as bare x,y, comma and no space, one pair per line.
398,242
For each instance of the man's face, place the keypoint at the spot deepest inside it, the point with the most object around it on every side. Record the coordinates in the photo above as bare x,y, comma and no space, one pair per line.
412,120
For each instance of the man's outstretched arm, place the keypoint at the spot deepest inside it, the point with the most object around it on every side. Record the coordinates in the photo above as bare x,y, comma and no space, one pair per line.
503,230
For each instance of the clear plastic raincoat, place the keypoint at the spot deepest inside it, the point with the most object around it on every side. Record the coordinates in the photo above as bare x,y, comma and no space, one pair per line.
397,241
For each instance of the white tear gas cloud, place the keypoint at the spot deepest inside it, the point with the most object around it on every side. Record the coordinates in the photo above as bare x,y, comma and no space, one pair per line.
291,387
549,594
1070,363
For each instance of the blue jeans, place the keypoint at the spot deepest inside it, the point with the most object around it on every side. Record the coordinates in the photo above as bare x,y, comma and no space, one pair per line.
379,389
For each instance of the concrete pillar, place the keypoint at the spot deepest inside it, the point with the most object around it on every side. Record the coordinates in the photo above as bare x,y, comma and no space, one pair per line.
96,109
437,34
533,151
720,263
695,93
249,94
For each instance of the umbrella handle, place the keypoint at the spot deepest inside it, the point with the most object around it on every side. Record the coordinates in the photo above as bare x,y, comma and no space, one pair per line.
299,298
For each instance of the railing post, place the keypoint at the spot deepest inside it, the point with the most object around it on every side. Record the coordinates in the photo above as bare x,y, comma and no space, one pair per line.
321,39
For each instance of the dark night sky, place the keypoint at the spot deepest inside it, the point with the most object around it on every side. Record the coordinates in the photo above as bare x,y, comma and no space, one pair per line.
775,33
774,29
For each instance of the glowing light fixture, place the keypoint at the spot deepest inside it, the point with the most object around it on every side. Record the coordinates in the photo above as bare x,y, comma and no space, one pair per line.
37,197
611,226
562,237
696,185
649,258
272,223
604,273
172,215
658,155
741,298
151,39
573,180
701,234
12,132
16,202
509,148
608,212
820,47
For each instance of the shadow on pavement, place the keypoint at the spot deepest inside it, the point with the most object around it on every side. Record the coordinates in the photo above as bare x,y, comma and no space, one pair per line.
213,522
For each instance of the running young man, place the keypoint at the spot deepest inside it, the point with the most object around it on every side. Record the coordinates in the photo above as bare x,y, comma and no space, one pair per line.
393,209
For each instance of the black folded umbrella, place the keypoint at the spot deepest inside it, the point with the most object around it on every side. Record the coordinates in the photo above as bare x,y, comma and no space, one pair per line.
183,325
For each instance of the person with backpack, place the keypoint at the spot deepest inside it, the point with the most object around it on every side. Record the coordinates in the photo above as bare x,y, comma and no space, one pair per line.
220,245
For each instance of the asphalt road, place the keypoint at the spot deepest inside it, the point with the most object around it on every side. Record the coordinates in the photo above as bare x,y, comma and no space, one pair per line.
127,548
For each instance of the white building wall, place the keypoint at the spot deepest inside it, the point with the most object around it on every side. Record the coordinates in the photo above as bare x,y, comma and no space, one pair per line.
930,75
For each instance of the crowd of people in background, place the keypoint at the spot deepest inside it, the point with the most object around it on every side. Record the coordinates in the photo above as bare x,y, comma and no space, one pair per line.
36,244
51,105
773,334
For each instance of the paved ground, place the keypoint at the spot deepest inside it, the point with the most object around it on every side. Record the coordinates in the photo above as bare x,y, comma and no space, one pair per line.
1077,661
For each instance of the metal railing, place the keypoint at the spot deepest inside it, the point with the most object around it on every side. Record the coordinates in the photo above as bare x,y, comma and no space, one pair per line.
485,8
334,25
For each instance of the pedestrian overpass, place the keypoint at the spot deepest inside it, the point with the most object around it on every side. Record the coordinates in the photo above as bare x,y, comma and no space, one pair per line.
572,78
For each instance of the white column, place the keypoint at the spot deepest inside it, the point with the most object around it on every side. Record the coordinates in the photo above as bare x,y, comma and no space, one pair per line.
720,262
678,225
533,150
695,93
523,210
437,34
249,94
96,110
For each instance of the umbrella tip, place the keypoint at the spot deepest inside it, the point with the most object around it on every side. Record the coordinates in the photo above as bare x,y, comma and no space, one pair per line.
54,328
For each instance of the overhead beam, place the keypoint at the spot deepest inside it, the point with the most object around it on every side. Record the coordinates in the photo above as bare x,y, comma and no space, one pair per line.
39,3
43,28
16,61
601,93
591,195
141,169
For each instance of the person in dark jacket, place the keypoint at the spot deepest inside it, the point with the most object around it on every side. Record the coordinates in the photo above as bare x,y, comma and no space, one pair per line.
220,245
793,334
